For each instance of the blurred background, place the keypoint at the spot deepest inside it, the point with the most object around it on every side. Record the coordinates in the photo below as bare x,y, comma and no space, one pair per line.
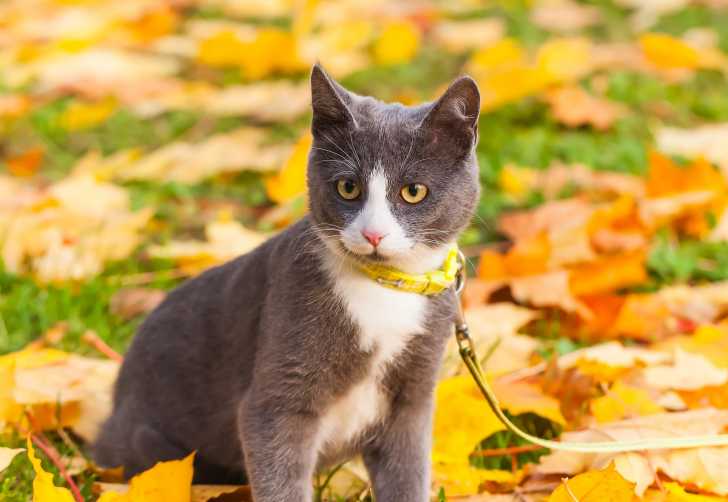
142,141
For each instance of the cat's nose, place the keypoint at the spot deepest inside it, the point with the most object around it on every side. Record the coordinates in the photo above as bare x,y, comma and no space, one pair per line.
374,238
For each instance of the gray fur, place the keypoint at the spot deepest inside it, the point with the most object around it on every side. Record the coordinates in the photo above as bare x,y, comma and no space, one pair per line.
240,362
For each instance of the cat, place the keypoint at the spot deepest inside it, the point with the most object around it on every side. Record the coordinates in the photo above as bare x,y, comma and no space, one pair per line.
289,359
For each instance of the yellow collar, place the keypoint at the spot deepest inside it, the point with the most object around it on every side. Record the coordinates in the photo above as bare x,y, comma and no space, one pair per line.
430,283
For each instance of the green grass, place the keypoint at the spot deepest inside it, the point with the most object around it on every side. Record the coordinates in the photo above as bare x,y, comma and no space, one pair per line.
27,309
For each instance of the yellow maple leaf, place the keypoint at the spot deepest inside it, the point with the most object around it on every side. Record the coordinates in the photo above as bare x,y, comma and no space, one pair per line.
290,182
43,488
564,59
267,51
398,43
623,401
462,420
80,115
673,492
506,52
665,51
462,479
595,486
458,433
165,482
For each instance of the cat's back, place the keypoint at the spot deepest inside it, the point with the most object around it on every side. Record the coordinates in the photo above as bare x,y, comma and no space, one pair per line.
212,318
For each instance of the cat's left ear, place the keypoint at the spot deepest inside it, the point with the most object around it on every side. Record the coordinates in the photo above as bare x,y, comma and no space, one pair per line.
453,119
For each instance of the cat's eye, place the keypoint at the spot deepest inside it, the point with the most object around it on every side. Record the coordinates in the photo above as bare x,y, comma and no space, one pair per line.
414,192
348,189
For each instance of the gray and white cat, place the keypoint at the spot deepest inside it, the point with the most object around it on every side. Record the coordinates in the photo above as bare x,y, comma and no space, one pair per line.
288,359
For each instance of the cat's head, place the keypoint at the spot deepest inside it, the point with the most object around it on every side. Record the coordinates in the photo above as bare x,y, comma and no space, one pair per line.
390,183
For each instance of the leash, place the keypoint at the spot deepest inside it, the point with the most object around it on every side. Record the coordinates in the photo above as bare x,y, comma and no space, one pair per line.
466,348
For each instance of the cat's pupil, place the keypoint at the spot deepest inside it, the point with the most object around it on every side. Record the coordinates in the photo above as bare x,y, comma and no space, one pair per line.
349,186
413,190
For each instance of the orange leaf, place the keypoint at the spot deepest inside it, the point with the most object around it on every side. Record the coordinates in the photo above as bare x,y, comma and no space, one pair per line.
574,107
608,274
643,317
528,257
27,163
667,178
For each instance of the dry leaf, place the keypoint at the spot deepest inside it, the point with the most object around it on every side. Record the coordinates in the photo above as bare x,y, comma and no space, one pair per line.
574,107
7,455
225,240
398,43
165,482
704,141
290,182
564,16
623,401
687,372
244,148
43,488
459,36
594,486
70,230
704,467
495,327
548,290
132,302
27,163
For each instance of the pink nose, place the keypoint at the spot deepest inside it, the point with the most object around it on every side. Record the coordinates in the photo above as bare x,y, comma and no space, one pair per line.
374,238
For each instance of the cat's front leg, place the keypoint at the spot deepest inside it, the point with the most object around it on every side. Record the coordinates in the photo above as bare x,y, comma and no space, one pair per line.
398,460
279,450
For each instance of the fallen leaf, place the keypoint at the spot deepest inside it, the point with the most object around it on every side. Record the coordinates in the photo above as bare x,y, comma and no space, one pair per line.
574,107
548,290
183,162
456,435
594,486
462,35
665,51
623,401
69,230
199,493
673,492
27,163
703,141
398,43
290,182
7,455
165,482
257,52
132,302
614,354
80,115
225,240
704,467
495,327
527,224
688,371
608,274
564,16
43,488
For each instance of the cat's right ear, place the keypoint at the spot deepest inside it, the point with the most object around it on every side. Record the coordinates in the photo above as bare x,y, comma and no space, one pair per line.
329,102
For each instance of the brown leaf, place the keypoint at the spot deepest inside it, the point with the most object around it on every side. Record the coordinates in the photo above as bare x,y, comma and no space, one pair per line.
27,163
564,16
574,107
128,303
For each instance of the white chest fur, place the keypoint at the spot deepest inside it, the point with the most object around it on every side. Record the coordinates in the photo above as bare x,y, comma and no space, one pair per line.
387,319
